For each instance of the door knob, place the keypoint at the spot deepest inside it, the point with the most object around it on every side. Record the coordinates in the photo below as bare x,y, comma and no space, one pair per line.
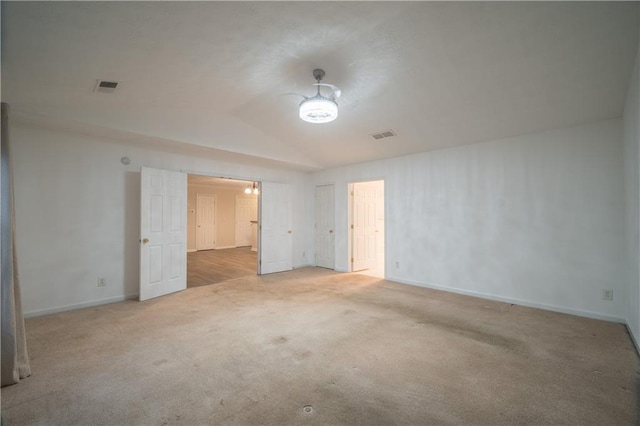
145,241
331,231
289,231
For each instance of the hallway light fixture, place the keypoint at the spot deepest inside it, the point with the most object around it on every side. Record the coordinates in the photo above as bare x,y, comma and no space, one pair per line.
252,189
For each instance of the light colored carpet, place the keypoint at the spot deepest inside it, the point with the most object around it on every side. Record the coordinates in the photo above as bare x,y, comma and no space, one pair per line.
352,349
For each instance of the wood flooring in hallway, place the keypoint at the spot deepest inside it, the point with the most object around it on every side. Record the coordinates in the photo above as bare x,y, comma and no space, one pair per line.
214,266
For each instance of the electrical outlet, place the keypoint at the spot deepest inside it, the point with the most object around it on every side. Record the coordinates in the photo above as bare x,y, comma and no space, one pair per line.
102,282
607,294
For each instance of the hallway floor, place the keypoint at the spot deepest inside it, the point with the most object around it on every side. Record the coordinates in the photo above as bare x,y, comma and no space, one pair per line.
215,266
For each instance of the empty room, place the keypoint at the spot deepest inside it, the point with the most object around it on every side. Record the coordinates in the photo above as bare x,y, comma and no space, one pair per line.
320,213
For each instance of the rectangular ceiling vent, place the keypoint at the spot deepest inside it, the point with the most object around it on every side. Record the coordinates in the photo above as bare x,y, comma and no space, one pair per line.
383,134
105,86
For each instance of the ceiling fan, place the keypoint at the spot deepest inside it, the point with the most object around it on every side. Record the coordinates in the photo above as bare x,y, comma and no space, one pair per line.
320,108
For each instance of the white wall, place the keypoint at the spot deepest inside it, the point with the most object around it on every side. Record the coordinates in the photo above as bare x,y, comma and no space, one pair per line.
78,211
537,219
631,121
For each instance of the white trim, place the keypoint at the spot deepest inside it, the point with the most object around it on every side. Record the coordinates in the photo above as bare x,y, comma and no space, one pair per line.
520,302
191,250
304,265
226,247
41,312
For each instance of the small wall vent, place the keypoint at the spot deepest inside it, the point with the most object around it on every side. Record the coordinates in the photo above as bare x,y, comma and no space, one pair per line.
383,134
105,86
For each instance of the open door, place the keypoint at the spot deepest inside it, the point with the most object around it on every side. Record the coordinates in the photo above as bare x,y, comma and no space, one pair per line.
275,247
363,225
163,232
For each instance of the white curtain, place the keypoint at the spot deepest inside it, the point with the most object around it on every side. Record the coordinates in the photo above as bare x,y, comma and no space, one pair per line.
15,361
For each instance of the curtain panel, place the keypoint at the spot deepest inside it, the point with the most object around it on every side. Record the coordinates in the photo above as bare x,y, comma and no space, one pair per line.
15,360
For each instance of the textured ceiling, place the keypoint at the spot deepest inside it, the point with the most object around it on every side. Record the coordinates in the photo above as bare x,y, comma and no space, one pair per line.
214,74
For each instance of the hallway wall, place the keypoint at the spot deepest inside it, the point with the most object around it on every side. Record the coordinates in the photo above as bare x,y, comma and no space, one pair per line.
225,213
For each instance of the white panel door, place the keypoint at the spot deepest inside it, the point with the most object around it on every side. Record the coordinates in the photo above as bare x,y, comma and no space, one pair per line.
205,222
276,250
246,211
163,232
325,226
363,226
380,223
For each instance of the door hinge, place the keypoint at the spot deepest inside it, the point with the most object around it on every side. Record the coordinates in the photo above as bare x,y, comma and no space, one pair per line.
351,226
351,192
260,262
352,260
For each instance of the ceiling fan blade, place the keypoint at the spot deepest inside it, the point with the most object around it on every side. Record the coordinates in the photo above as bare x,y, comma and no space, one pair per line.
294,94
336,90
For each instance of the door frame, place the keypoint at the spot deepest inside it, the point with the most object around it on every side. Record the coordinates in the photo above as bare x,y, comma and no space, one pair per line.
349,231
233,177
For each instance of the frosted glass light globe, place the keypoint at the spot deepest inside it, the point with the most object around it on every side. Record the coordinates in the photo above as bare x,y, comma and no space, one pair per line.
318,109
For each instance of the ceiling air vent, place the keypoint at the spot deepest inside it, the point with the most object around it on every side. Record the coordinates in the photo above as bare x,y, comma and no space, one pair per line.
105,86
383,134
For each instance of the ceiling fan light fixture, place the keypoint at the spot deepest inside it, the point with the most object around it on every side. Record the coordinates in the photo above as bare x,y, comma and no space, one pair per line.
318,109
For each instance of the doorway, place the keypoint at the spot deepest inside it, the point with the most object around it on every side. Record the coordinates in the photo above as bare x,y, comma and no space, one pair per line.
220,245
367,228
164,233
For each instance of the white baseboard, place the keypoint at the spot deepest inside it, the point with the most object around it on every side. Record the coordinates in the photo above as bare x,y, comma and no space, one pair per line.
74,306
553,308
302,265
191,250
225,247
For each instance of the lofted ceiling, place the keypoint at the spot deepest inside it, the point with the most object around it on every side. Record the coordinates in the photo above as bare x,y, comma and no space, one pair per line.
214,74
